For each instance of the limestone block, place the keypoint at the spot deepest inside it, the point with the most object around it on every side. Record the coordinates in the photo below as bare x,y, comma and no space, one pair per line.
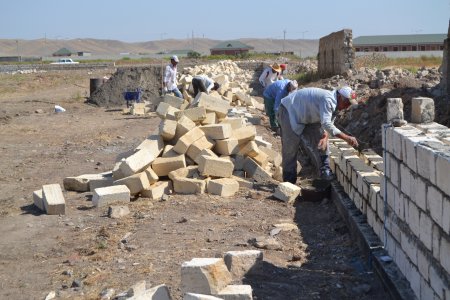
103,180
287,192
261,159
164,165
206,152
160,292
184,124
110,194
54,202
442,172
274,156
136,162
210,119
236,292
210,103
135,183
235,122
118,211
199,145
204,275
38,199
193,296
187,181
221,79
255,171
153,144
262,143
249,149
168,151
157,190
173,101
162,109
241,263
79,183
244,134
116,173
238,161
215,166
225,187
227,146
244,98
151,175
217,131
185,141
394,109
195,114
167,129
422,110
243,182
124,154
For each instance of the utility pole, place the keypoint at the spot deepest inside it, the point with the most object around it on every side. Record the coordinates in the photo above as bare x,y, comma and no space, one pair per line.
17,46
193,48
284,40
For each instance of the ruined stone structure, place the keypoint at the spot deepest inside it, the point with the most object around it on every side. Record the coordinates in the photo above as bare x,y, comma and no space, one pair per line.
336,53
445,62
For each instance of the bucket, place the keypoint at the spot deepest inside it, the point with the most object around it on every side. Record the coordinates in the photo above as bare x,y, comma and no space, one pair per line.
95,83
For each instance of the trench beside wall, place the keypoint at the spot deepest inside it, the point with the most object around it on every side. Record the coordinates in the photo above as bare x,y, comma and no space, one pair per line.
336,53
406,200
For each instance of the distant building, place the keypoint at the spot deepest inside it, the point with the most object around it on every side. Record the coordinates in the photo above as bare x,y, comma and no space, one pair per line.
230,48
394,43
63,52
84,53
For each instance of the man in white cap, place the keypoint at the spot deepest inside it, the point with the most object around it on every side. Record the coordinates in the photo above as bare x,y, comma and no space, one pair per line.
272,98
306,118
170,78
269,75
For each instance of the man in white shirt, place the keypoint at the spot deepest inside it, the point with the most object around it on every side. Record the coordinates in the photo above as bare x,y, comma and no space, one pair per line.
202,83
170,78
269,75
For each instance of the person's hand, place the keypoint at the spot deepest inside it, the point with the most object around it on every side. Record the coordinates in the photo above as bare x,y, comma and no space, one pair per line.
323,142
351,140
165,89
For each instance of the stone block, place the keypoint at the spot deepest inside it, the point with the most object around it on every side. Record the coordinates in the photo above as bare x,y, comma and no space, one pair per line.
116,173
434,204
165,110
262,143
413,218
261,159
274,156
426,230
419,192
242,263
394,109
199,145
157,190
256,172
187,181
118,211
184,124
185,141
153,144
38,200
409,145
54,202
225,187
135,183
426,162
238,161
234,122
137,162
244,134
160,292
217,131
103,180
204,275
443,171
422,110
249,149
243,182
226,147
446,215
168,151
207,152
210,119
215,166
164,165
210,103
173,101
76,184
195,114
193,296
111,194
444,255
151,175
236,292
167,129
287,192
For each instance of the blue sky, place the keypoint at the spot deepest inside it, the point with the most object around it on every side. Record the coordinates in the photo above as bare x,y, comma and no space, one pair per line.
145,20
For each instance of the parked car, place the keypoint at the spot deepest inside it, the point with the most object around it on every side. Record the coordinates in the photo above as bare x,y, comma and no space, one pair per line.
64,61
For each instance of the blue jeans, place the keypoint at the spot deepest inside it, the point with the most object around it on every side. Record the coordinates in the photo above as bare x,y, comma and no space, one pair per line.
177,93
269,104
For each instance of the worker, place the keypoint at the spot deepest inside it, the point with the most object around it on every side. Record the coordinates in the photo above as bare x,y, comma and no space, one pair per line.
273,95
283,71
306,118
269,75
170,78
203,84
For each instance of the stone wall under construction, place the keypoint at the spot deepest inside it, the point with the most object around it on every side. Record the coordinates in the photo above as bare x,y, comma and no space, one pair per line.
336,53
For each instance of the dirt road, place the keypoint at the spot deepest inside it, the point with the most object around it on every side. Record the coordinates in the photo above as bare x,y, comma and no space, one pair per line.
82,253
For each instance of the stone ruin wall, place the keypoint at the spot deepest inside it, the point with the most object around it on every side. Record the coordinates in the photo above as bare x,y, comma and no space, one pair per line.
336,54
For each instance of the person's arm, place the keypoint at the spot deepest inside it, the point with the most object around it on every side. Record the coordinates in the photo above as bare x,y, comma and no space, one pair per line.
209,84
323,141
280,95
263,77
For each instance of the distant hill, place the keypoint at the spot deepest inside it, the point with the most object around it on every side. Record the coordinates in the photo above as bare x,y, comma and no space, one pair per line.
45,47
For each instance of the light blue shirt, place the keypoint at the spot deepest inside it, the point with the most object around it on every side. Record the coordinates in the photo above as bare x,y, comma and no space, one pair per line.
277,91
209,84
311,105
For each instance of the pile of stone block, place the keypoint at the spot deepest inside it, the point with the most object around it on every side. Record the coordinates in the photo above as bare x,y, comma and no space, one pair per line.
50,199
204,147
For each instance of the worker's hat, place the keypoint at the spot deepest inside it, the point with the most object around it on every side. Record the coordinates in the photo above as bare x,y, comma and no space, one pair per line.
174,58
348,93
276,67
283,66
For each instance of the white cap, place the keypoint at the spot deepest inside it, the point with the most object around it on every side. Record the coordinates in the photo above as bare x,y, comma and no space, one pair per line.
175,58
348,93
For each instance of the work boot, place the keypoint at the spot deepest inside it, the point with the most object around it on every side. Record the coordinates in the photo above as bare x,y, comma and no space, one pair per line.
325,170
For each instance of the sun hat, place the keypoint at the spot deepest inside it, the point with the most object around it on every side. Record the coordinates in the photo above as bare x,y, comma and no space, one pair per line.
348,93
175,58
283,66
276,67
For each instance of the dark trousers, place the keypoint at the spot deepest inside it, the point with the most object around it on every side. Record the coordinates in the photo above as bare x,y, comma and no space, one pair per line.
198,85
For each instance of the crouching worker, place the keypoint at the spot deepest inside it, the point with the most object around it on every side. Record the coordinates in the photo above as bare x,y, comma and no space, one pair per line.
272,98
306,118
202,83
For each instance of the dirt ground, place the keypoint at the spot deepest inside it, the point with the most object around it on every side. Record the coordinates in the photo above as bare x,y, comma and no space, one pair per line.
84,252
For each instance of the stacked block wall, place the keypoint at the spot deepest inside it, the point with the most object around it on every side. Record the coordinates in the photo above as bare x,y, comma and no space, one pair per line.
406,200
336,54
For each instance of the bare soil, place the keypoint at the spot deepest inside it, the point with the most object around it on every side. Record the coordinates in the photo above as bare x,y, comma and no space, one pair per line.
83,252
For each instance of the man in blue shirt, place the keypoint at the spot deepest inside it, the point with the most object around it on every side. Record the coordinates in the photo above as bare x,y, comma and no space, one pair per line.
272,98
306,118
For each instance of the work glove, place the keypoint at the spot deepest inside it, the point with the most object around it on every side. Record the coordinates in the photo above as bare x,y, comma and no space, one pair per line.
165,89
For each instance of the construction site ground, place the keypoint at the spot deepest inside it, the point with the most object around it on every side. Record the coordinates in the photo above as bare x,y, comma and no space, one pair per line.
83,252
